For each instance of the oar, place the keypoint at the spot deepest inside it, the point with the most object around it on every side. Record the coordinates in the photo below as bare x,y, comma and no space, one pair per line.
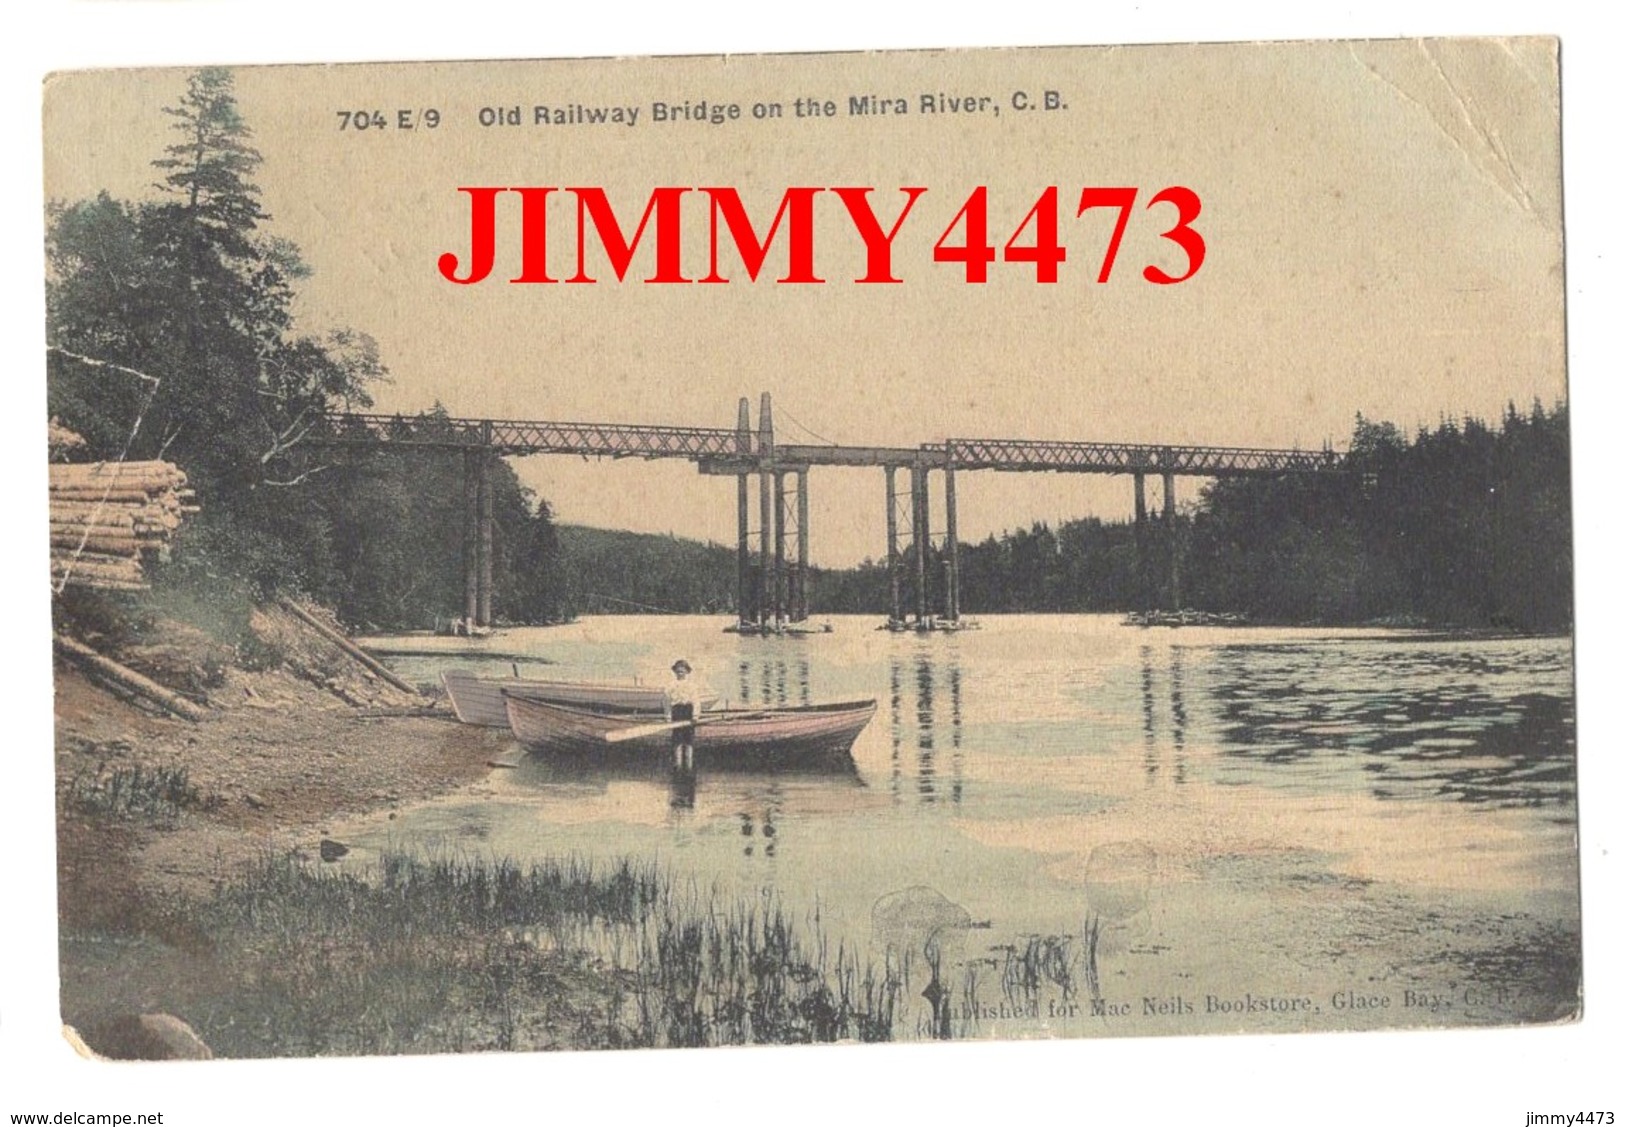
638,731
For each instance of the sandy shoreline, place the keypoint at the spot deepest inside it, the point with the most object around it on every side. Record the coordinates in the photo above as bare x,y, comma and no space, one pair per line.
281,774
212,920
282,758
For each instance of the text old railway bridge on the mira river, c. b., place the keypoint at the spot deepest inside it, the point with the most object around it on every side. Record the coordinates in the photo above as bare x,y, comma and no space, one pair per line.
772,589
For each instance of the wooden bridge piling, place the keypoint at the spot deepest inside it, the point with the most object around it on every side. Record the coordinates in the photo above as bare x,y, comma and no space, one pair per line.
799,607
767,582
478,536
952,531
487,544
1171,534
764,561
894,580
471,536
745,604
780,587
922,544
1139,540
744,601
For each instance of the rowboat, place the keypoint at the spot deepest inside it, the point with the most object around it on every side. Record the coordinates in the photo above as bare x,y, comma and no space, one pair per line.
736,736
478,700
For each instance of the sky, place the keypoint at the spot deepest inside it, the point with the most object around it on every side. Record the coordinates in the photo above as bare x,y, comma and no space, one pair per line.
1481,1077
1382,224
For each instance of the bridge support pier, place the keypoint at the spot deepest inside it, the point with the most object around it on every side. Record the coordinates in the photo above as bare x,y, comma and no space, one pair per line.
893,579
764,557
486,540
471,537
1140,561
799,604
922,546
1171,534
952,530
745,604
478,537
779,585
767,582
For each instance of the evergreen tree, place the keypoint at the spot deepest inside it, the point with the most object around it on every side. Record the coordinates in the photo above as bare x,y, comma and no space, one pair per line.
173,336
188,290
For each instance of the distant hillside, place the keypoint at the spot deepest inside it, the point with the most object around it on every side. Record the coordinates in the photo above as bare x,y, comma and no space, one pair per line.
1465,525
607,571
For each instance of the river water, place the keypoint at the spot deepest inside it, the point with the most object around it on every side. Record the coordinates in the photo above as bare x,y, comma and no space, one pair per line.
1204,829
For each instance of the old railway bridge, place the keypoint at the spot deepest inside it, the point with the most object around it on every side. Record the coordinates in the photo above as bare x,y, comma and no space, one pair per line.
772,586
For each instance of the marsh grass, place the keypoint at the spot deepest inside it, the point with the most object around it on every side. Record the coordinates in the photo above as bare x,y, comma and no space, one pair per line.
1041,961
710,970
453,953
1037,975
1049,965
154,794
1091,957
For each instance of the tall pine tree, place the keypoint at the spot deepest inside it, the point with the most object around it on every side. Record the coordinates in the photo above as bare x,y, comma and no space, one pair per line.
189,289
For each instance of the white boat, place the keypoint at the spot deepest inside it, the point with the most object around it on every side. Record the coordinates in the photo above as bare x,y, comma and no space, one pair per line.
478,700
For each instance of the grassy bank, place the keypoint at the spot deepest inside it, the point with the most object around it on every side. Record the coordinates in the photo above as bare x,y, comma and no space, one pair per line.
456,954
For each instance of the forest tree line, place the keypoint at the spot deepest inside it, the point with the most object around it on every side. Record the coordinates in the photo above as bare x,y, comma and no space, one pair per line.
1466,524
172,335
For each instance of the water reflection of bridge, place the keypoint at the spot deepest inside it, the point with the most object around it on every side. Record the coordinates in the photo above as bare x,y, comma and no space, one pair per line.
923,568
918,709
775,682
926,714
1155,681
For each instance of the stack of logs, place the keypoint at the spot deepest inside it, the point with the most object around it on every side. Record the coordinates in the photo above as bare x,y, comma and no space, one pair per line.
109,518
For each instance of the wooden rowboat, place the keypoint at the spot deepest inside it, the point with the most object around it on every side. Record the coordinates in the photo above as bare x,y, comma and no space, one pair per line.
478,700
755,736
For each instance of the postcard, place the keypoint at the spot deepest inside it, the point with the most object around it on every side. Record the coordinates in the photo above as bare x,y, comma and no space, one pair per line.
931,545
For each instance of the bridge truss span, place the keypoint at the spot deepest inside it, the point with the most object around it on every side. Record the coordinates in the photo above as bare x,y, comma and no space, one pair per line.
772,582
495,436
1025,455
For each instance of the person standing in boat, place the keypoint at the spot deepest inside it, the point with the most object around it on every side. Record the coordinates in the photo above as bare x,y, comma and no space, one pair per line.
682,702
